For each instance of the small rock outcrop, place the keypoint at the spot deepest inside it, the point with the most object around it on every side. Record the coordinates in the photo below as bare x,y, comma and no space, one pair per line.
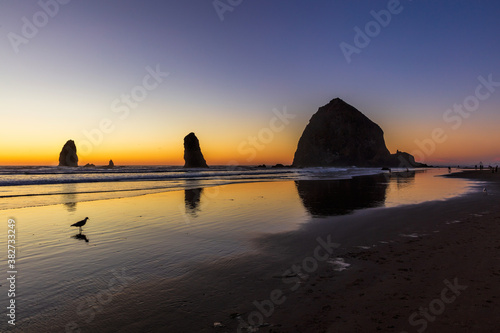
340,135
278,166
192,153
68,156
111,164
405,160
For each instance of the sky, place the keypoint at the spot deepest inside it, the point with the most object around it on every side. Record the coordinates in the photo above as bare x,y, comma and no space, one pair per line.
127,80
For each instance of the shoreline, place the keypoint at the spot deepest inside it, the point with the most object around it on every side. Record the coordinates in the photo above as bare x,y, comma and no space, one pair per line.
88,191
417,249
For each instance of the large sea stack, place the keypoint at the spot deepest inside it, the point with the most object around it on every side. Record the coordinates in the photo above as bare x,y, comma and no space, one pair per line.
192,153
340,135
68,156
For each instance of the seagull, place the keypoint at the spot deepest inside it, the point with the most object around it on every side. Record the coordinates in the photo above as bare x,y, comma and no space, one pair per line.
485,191
80,224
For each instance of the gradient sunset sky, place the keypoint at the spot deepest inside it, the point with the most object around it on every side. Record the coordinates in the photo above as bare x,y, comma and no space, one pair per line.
231,69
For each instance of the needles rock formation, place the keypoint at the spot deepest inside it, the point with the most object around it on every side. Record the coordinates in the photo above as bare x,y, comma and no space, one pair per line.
68,156
192,153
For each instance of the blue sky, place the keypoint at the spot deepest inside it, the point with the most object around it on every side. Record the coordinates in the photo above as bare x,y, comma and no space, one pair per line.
226,77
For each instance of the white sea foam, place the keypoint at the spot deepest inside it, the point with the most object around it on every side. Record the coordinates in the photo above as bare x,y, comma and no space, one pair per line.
413,235
339,264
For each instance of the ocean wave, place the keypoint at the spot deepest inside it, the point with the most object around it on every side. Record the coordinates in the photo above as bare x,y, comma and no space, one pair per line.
24,176
42,176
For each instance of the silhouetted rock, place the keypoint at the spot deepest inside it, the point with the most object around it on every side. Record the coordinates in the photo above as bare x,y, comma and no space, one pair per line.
340,135
111,164
89,165
68,156
192,153
405,160
278,166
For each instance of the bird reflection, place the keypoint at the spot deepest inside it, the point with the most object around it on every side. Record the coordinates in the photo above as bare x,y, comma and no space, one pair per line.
192,200
342,196
81,237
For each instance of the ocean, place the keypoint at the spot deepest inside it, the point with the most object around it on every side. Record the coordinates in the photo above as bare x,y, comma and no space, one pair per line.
29,186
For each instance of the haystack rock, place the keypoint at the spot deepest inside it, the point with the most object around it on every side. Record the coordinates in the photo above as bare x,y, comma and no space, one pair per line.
68,156
340,135
192,153
111,164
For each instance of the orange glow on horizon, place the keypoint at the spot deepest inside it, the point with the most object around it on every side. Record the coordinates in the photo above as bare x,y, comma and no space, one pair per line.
466,146
151,156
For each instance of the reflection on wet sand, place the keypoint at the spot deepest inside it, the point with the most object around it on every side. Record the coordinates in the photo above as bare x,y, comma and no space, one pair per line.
339,197
81,237
192,199
69,197
403,179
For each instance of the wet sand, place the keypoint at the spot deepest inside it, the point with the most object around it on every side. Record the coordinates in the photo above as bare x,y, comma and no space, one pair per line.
401,262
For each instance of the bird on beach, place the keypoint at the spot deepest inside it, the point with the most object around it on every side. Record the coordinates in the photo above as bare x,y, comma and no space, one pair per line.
80,224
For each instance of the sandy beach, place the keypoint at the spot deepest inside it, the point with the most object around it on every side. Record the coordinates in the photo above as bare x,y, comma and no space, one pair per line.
428,267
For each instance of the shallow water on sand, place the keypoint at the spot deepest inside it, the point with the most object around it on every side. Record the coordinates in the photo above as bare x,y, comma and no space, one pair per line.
163,235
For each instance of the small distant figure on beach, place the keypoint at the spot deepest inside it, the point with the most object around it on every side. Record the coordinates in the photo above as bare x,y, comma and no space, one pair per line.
475,167
449,169
481,167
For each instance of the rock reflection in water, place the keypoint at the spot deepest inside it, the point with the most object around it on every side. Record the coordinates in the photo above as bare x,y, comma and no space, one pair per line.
192,200
69,197
342,196
403,179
